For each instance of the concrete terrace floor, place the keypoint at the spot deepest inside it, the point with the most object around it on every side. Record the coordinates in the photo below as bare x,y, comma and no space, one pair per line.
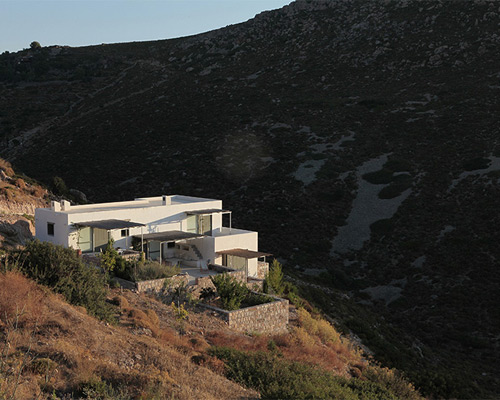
195,272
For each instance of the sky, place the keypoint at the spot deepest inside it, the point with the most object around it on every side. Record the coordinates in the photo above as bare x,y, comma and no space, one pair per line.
87,22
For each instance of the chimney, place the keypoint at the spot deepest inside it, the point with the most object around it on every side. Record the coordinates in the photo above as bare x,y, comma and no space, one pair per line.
166,200
56,206
65,205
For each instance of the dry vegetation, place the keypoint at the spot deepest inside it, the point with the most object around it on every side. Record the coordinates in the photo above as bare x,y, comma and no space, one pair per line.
14,188
83,351
50,347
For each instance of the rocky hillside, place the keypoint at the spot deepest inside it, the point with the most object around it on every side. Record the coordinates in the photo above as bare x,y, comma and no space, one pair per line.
18,199
359,138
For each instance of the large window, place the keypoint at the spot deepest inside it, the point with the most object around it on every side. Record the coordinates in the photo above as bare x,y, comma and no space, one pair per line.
50,228
234,262
200,224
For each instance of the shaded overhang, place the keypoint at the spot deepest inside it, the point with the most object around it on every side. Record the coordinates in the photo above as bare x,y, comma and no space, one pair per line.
109,224
169,236
244,253
208,211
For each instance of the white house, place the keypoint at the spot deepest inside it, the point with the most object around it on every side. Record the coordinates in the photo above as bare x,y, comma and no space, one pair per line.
176,228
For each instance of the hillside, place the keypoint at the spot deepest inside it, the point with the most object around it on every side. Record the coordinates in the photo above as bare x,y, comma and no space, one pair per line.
19,196
359,138
50,349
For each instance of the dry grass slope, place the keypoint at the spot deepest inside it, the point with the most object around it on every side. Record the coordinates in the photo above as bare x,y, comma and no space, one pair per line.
81,349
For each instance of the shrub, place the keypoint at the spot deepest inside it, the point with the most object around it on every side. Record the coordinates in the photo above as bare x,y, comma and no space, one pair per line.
276,378
97,389
476,163
380,177
231,292
317,327
254,299
398,165
273,281
382,226
393,190
64,272
137,271
207,293
109,256
148,270
59,186
393,380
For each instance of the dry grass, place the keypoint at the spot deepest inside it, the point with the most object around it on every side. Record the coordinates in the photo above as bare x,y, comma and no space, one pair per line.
20,297
85,349
313,342
6,167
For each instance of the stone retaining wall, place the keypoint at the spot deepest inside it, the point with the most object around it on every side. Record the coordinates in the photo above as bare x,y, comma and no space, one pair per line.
262,269
270,318
157,285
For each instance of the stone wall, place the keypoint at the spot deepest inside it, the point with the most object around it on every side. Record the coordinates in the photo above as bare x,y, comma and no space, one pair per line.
262,269
269,318
255,284
157,285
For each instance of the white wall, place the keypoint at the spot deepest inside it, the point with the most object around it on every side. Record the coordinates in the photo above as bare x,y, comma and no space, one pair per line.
61,226
158,218
239,239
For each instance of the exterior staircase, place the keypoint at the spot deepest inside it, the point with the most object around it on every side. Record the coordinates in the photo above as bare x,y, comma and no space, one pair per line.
201,263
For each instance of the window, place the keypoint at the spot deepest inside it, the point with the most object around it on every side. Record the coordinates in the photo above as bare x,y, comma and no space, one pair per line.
191,224
170,245
50,228
125,232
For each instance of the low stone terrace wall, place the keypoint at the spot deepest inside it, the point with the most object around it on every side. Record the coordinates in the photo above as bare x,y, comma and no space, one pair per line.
269,318
262,269
155,285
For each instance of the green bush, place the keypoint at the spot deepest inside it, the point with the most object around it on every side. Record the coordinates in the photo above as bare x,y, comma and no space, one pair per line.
64,272
109,256
381,177
273,281
382,226
137,271
230,291
397,165
476,163
149,270
394,189
96,389
276,378
254,299
59,186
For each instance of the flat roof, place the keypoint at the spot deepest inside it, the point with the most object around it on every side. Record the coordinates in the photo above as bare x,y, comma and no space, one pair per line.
244,253
143,202
109,224
168,236
205,212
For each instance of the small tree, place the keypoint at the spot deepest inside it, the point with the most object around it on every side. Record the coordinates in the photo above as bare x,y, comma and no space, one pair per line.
59,186
274,279
35,45
230,291
109,256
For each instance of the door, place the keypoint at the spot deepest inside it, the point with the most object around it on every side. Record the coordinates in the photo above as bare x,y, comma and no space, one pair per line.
205,225
100,239
85,239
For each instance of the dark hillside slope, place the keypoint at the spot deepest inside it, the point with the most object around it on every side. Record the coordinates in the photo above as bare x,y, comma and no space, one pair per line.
320,124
